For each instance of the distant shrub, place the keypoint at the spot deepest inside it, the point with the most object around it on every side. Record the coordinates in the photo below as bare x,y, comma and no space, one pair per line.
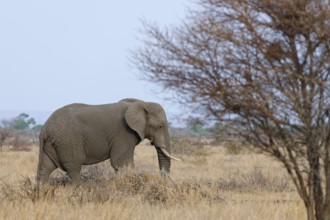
20,142
234,147
185,146
20,145
255,180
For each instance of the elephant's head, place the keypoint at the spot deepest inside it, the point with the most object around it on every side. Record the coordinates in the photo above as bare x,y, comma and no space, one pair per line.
149,121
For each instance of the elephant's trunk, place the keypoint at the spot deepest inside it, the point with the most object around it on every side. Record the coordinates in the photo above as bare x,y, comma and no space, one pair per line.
164,153
164,161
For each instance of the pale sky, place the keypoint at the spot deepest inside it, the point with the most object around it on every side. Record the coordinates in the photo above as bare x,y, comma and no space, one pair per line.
57,52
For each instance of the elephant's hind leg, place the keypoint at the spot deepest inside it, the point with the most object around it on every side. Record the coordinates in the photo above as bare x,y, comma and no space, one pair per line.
45,168
72,156
73,170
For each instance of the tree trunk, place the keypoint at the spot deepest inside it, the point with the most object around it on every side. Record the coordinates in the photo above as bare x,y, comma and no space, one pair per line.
314,180
310,211
326,208
317,189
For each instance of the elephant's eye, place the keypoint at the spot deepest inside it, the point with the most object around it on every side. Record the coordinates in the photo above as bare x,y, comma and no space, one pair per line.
161,126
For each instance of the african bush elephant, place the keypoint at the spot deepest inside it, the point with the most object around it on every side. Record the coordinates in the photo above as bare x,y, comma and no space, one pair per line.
81,134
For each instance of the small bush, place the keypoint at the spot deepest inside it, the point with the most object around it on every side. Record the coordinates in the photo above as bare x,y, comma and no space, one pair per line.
27,189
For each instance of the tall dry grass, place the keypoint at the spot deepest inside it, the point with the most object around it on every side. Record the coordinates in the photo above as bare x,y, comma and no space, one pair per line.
210,183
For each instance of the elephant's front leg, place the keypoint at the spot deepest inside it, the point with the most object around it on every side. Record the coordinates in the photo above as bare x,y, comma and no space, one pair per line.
122,156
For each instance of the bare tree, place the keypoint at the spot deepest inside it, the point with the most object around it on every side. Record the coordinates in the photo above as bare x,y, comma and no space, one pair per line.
263,66
4,134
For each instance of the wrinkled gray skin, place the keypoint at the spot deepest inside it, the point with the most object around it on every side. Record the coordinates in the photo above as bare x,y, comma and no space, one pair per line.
80,134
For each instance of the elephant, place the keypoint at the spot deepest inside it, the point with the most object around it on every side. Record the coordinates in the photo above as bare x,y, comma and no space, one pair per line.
81,134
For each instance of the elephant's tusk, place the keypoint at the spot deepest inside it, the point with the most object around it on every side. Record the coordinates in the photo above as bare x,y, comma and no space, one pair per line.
169,155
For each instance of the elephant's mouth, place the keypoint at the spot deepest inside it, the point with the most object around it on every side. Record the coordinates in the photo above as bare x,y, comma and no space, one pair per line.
151,139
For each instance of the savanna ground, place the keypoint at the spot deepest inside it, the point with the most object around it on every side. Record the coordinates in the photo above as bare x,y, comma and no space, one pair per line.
213,182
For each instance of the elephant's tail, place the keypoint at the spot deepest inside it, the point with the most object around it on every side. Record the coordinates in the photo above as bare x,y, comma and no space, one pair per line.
47,147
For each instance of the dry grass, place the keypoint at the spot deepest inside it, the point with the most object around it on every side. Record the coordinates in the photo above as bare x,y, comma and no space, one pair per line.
209,184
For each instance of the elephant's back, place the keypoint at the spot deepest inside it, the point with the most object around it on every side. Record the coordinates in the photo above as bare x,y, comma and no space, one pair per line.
59,120
64,113
78,114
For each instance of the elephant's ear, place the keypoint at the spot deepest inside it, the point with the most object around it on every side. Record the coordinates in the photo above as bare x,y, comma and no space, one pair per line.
136,118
